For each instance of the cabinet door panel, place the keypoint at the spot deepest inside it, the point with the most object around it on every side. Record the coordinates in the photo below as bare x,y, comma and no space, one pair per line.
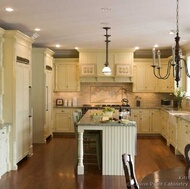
62,122
61,77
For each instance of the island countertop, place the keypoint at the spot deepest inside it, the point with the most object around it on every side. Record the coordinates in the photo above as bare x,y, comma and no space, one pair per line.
89,119
117,138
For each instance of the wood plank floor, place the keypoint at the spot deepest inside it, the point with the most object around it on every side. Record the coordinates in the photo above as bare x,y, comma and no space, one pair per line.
52,166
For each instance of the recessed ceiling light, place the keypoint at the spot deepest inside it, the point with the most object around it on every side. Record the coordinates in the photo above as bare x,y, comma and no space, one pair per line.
136,48
105,9
9,9
58,45
37,29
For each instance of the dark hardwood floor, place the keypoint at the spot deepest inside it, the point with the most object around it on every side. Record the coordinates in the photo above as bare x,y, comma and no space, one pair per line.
52,166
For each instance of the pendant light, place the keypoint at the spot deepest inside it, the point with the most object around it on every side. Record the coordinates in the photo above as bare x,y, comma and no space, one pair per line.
106,70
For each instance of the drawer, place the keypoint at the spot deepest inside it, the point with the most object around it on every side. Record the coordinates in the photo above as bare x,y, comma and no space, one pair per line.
63,110
142,111
2,133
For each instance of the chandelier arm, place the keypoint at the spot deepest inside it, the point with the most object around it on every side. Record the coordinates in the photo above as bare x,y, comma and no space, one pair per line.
186,68
167,72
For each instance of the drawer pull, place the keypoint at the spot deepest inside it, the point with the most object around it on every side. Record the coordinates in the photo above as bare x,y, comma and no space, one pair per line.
62,111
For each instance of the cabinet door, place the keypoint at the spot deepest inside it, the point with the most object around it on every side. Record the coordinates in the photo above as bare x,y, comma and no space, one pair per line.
181,139
145,123
140,74
135,117
65,77
61,77
71,78
155,121
22,111
3,156
62,122
145,81
165,85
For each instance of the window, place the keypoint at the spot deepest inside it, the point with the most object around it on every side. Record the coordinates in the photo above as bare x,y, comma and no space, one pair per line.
188,79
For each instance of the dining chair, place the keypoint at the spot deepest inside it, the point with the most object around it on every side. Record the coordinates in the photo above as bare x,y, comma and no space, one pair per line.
187,154
91,144
129,172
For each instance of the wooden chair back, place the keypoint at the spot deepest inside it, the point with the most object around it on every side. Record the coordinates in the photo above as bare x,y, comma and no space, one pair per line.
130,176
187,154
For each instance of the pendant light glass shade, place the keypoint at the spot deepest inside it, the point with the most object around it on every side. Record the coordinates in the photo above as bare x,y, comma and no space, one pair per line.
106,70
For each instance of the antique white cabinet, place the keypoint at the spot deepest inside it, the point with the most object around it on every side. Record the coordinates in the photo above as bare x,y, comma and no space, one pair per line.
144,79
142,118
63,120
168,84
5,164
164,124
1,75
17,83
66,75
155,121
183,134
42,93
92,62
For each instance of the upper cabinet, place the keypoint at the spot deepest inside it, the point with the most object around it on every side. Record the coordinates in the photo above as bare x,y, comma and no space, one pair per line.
66,74
92,63
145,81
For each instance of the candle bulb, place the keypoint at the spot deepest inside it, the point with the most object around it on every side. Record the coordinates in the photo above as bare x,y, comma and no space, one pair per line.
159,63
153,52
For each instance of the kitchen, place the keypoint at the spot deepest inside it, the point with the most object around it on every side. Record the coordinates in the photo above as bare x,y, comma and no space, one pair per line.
83,84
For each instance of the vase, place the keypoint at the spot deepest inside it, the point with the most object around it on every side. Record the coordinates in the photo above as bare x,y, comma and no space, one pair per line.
179,104
109,113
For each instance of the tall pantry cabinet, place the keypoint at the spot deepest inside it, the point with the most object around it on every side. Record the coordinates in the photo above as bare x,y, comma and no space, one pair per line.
17,87
42,93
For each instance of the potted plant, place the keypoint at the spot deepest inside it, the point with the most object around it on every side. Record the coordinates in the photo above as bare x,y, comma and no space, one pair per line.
138,101
109,111
179,95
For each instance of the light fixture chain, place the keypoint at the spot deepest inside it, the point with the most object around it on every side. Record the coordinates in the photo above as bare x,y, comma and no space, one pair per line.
177,17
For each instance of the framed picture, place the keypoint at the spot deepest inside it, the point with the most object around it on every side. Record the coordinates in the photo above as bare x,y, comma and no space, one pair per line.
88,69
123,70
59,102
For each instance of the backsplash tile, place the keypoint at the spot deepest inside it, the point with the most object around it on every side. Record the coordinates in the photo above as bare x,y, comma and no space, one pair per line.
85,96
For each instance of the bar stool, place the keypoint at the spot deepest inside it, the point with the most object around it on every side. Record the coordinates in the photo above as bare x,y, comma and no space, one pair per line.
91,143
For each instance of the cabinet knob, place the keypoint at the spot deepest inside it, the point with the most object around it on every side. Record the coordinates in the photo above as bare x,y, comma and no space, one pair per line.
62,111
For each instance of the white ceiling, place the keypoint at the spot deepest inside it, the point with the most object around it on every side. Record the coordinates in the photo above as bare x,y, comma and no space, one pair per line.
79,23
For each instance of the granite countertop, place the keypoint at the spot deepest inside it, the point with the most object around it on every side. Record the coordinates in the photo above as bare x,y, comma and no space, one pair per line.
2,126
88,119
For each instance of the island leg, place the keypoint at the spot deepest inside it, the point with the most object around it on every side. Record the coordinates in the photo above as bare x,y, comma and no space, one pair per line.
80,154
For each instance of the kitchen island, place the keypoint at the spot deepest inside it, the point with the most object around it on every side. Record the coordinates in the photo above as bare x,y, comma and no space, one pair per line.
117,138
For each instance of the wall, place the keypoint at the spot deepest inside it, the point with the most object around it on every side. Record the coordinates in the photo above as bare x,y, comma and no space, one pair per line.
106,96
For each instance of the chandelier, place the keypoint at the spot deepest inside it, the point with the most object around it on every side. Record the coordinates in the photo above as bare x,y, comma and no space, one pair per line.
106,70
175,62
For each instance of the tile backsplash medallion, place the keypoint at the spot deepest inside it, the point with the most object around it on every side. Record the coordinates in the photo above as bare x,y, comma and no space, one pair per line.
110,93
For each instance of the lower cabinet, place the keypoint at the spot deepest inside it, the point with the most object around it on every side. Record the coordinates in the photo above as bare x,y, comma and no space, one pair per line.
164,124
63,120
4,150
183,135
142,118
155,121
